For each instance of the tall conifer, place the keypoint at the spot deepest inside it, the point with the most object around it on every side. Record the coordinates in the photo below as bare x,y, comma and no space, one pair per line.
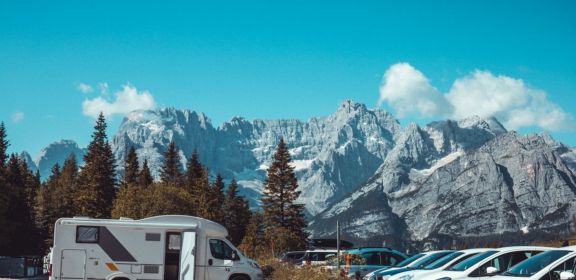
283,217
131,169
145,176
171,171
236,213
97,180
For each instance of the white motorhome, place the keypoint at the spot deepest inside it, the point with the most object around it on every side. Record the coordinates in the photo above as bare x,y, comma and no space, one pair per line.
171,247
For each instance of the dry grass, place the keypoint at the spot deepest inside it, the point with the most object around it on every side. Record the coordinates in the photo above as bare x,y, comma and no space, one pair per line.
283,271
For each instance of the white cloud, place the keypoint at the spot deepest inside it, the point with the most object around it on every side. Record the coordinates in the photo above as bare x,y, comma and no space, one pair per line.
481,93
17,117
103,88
84,88
409,92
126,100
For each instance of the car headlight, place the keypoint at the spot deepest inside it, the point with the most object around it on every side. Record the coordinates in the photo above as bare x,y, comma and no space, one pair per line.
406,277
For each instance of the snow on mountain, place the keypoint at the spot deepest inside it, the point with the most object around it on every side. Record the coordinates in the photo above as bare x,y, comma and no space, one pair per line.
57,152
510,183
331,155
359,166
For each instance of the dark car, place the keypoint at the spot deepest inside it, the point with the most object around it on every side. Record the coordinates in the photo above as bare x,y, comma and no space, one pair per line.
294,257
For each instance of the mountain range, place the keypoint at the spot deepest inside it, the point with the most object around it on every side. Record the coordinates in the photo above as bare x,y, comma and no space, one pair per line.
381,180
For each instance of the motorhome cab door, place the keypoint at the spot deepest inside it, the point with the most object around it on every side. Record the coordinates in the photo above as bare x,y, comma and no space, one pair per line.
220,263
187,255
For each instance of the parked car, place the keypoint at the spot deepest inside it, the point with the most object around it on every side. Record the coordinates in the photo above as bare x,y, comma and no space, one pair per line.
361,261
294,257
318,256
440,264
404,263
559,263
421,263
489,263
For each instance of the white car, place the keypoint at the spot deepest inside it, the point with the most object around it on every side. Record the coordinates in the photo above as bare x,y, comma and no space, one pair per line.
439,265
318,256
557,264
489,263
404,263
419,264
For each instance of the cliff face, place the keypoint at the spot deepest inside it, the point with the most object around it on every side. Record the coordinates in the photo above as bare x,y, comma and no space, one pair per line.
462,178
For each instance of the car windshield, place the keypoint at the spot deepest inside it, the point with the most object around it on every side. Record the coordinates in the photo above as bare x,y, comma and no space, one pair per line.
428,260
442,261
409,260
534,264
471,261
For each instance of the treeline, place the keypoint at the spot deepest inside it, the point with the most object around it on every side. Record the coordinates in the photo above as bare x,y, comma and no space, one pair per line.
29,208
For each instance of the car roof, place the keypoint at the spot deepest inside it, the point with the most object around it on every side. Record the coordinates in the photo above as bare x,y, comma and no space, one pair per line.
371,249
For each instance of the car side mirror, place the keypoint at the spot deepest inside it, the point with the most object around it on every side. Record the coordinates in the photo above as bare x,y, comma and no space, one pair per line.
491,270
567,275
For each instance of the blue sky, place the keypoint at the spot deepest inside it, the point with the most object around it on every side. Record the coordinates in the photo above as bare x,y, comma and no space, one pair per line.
283,59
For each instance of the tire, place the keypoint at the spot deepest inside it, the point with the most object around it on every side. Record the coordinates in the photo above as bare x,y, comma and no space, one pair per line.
239,277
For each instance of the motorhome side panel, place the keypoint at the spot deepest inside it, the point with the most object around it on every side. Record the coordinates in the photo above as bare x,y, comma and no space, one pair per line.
112,249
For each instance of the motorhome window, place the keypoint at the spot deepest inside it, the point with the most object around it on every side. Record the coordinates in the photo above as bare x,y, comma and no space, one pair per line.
220,250
152,236
86,234
174,242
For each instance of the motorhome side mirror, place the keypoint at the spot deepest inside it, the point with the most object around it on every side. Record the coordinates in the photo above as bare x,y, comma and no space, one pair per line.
235,256
567,275
491,270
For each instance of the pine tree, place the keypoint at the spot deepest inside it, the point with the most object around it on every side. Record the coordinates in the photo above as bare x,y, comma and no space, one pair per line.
66,188
251,243
131,169
4,189
236,214
194,171
171,171
128,202
128,199
97,180
201,195
44,206
3,147
145,176
216,200
22,230
283,218
163,199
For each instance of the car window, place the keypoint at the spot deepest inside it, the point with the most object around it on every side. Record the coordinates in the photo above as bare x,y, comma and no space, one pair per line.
428,260
533,265
554,273
391,259
220,250
371,258
444,260
409,260
471,261
502,262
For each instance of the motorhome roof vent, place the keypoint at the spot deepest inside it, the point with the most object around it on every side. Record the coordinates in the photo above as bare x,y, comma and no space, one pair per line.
125,219
81,217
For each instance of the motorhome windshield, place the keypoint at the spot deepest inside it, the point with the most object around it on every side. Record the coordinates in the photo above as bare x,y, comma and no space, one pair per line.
532,265
428,260
471,261
442,261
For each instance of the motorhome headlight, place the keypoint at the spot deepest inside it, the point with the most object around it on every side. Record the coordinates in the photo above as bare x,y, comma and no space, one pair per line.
254,265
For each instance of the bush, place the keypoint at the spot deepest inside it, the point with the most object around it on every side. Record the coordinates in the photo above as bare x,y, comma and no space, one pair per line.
283,271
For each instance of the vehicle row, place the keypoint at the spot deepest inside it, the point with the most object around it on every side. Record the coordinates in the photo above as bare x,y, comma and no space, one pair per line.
506,263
